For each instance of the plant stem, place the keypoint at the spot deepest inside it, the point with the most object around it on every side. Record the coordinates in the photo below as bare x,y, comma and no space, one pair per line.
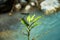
28,34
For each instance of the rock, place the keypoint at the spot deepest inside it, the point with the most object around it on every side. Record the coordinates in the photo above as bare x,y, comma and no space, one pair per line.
6,6
18,7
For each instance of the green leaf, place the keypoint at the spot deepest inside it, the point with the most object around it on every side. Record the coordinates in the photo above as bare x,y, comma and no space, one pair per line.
36,19
28,19
24,22
32,17
34,25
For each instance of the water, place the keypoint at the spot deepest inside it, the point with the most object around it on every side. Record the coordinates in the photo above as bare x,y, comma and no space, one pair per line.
11,27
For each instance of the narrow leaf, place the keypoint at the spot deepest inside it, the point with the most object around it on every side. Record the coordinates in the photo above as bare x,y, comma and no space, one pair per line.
24,22
34,25
32,17
28,18
36,19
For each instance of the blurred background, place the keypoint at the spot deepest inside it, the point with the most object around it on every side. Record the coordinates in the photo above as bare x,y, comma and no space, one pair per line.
12,29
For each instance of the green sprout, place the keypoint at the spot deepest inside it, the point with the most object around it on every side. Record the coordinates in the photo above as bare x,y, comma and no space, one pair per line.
30,23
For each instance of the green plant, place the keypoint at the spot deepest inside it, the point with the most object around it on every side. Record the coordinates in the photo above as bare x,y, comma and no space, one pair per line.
30,23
